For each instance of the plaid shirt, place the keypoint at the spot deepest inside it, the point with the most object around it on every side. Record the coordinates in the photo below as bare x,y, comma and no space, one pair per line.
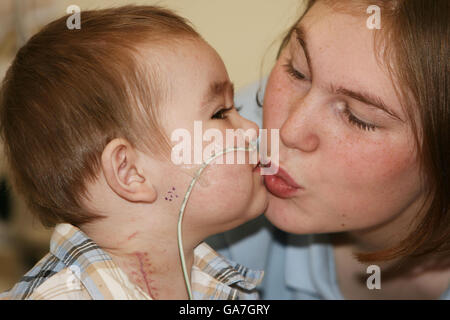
77,268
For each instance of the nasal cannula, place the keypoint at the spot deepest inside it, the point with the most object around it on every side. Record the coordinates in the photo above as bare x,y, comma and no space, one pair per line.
253,147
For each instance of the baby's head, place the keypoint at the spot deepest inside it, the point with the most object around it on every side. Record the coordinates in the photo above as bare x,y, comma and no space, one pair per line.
87,117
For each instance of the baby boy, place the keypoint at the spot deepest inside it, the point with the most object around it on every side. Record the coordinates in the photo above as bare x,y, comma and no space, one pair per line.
86,116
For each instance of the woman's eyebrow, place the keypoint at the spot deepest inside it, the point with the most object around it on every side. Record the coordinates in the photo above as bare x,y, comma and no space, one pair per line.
364,97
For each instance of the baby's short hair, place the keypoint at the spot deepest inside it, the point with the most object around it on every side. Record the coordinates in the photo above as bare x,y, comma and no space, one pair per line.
69,92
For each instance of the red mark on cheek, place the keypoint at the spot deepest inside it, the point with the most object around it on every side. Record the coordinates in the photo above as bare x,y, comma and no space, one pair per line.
132,235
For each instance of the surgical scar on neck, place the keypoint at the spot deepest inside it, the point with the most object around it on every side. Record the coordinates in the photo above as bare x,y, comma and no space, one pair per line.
142,274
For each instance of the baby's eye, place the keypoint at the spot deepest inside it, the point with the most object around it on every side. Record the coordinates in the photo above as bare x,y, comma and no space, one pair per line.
222,113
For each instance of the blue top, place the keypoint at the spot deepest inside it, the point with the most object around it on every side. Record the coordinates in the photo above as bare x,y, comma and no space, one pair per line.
296,266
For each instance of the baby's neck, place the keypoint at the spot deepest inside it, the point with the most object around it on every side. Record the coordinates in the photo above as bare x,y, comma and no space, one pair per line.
150,259
156,271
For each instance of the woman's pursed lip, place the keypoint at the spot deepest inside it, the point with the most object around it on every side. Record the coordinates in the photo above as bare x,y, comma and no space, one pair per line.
287,178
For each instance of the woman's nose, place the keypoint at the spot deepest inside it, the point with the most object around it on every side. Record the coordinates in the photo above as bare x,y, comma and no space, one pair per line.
299,131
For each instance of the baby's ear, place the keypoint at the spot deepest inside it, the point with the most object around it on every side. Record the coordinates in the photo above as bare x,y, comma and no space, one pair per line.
122,173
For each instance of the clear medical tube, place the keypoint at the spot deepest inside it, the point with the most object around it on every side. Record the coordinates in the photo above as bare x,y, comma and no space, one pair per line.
253,146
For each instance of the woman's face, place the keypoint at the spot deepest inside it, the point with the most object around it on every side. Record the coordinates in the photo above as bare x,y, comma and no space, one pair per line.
345,138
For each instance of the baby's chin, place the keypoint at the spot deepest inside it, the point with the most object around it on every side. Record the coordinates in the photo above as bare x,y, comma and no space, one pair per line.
242,216
257,206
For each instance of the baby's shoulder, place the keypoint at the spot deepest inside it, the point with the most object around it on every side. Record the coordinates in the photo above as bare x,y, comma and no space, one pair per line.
64,285
43,270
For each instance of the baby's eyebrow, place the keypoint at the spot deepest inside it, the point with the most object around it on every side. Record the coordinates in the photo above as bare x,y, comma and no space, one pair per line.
218,89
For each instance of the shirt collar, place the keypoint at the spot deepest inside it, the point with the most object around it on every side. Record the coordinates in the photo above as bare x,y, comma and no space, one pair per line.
212,276
215,277
93,266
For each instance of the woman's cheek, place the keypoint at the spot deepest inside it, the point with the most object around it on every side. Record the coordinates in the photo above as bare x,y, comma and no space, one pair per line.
377,179
355,165
276,102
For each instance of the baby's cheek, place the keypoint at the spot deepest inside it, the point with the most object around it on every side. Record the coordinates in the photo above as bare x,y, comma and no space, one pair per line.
228,181
231,188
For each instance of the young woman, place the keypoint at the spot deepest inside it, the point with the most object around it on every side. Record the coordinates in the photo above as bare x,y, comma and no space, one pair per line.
364,120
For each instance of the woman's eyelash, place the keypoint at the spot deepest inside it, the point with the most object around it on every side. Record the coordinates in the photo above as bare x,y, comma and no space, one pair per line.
357,122
350,117
293,72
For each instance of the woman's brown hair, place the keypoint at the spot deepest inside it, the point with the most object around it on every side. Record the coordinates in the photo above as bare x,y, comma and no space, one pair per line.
416,34
69,92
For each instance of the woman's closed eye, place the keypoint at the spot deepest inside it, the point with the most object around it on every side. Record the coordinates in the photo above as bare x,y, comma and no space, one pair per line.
351,118
294,73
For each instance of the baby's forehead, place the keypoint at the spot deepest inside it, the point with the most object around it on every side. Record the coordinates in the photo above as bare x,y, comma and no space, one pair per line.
186,61
178,55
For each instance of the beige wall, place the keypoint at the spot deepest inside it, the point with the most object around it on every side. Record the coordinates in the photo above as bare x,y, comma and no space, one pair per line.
244,32
240,30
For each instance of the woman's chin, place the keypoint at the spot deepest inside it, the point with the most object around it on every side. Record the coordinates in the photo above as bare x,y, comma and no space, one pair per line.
287,217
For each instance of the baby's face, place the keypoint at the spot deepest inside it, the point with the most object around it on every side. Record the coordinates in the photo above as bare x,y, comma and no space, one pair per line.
226,195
